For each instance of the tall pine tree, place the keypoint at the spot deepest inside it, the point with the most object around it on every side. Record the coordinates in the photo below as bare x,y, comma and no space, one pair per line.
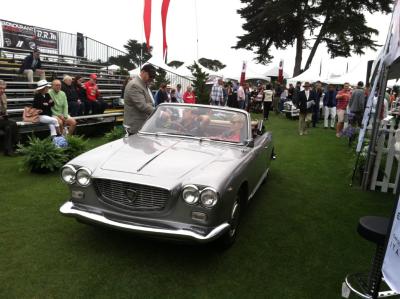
199,83
339,24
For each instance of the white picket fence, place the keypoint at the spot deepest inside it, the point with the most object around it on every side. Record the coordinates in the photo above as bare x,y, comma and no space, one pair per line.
387,148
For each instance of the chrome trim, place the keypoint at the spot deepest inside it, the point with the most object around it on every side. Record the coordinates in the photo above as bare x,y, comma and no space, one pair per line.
259,184
73,169
90,175
69,210
213,190
194,187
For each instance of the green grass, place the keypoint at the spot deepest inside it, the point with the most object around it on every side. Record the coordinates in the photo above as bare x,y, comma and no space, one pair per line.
298,238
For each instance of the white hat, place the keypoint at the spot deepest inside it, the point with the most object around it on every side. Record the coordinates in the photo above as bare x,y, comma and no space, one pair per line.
42,84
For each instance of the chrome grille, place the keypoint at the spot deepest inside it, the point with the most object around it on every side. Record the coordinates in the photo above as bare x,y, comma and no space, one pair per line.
120,194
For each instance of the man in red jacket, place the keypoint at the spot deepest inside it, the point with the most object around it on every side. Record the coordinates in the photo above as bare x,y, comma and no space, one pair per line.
93,101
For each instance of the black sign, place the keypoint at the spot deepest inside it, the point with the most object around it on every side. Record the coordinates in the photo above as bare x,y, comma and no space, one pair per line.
27,37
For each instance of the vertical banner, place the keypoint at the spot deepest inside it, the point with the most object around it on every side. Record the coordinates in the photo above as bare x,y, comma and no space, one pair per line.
80,45
164,14
391,263
243,74
280,75
147,21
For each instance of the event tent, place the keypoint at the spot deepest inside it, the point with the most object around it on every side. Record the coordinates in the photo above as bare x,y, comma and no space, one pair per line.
274,72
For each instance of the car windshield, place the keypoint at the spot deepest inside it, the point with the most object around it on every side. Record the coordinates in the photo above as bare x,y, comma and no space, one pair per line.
201,122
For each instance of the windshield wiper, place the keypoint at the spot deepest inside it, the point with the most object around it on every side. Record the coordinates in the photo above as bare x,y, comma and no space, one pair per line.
175,134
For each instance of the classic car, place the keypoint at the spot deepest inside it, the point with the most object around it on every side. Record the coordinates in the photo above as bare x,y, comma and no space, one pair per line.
186,175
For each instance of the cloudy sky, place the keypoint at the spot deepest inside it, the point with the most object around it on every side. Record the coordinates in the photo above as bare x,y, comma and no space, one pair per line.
215,22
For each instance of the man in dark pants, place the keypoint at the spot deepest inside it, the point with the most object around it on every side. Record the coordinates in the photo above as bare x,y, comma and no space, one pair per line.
32,65
9,127
318,94
306,101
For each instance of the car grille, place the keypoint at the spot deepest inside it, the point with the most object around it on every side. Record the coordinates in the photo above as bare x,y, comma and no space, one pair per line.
134,196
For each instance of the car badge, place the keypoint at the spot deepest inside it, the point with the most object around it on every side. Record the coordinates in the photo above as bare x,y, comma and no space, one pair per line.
131,195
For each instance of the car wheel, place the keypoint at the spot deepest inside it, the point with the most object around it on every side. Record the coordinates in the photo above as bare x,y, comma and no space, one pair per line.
227,240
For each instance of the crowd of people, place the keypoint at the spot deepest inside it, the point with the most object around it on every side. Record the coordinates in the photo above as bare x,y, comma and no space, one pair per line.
55,104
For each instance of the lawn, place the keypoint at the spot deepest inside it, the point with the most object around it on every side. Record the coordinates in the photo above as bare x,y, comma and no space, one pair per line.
298,238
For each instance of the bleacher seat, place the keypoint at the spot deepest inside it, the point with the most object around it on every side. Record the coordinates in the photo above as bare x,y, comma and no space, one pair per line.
20,92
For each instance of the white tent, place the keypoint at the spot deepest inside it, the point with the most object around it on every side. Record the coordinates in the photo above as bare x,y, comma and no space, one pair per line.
310,75
274,72
112,67
357,74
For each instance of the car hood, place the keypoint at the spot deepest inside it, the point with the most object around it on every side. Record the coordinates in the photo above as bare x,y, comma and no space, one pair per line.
165,157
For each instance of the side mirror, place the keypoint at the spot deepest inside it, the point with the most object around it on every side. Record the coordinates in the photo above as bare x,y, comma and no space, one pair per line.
250,143
126,131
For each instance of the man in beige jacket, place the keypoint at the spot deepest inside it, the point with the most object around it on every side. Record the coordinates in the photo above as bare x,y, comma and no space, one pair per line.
139,103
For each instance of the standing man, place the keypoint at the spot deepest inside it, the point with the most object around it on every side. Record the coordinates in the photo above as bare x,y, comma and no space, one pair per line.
60,108
9,127
139,103
179,94
342,100
357,104
277,96
32,65
217,94
329,102
318,93
241,97
296,92
306,101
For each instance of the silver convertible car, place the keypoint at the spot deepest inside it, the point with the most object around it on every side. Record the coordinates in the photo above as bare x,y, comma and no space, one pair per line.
186,175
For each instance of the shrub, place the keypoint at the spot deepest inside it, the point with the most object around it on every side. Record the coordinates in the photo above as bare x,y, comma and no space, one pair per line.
115,133
41,155
76,146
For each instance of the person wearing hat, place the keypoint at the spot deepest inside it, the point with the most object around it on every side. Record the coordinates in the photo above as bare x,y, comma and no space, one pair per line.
43,102
305,101
9,127
93,101
139,102
32,65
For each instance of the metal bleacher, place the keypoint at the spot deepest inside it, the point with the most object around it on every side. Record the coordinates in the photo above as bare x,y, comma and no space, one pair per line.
20,92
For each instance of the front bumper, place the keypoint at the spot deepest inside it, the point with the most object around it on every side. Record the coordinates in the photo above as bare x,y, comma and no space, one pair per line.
68,209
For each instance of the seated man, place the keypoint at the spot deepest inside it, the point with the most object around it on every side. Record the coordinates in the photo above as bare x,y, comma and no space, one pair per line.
94,102
31,65
8,126
235,133
60,108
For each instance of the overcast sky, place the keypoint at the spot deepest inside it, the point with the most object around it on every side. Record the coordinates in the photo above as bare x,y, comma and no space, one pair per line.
215,22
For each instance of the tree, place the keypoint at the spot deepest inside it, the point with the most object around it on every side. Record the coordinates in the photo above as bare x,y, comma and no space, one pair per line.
340,24
199,83
161,77
175,63
214,65
137,55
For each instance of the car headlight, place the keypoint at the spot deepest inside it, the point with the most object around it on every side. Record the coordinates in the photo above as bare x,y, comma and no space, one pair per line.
83,177
208,197
68,174
190,194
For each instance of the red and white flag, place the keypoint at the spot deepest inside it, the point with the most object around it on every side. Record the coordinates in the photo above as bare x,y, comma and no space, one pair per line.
147,21
164,14
280,75
243,74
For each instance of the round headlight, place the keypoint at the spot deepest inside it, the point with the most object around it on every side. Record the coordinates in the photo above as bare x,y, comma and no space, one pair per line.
190,194
208,197
68,173
83,177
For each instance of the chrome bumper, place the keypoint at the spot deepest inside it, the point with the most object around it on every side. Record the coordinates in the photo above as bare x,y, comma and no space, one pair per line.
68,209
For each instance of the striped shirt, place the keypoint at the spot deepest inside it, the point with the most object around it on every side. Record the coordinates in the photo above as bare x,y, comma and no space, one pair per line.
217,94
